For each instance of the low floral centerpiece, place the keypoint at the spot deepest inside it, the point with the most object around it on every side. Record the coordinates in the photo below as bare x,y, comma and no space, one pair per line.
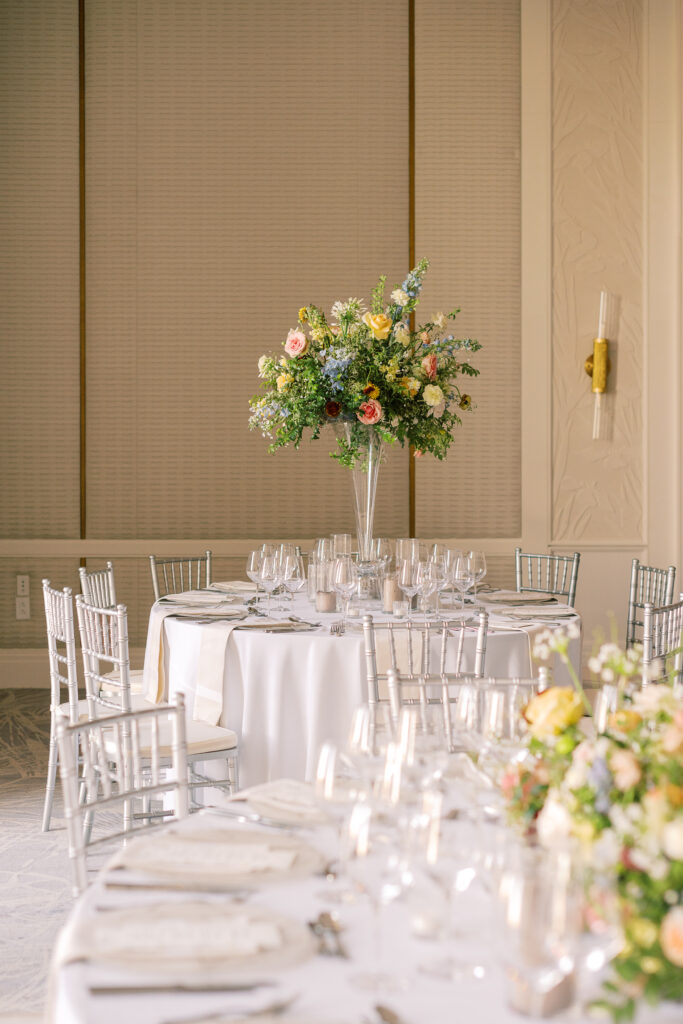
617,792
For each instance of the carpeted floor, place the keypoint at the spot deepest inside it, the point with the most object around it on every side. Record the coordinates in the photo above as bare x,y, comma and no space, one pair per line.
35,875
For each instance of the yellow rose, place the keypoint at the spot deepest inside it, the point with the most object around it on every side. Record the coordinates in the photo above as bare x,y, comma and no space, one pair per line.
283,381
624,720
379,325
432,394
552,711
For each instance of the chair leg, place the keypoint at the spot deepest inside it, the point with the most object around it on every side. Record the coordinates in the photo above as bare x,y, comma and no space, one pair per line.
51,778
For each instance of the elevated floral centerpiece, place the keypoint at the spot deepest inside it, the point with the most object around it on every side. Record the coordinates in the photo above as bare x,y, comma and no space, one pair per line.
366,372
616,791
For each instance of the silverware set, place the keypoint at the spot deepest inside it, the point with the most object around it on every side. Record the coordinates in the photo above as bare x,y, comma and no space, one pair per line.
327,928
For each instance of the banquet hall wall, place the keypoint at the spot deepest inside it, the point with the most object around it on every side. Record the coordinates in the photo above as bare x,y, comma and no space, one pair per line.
238,163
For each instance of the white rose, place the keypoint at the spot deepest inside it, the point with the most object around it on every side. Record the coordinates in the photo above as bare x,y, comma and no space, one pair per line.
399,297
672,839
402,334
553,823
606,850
440,320
433,395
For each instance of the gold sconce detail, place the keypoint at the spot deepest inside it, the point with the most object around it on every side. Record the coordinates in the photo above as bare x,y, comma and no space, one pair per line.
598,365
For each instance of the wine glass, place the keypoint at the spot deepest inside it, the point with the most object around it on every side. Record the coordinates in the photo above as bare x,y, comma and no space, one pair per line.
462,577
408,581
294,574
341,544
477,565
383,552
269,577
372,729
339,785
344,582
254,568
428,581
375,863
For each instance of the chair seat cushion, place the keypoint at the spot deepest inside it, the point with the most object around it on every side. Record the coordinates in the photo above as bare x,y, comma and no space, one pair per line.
201,739
135,676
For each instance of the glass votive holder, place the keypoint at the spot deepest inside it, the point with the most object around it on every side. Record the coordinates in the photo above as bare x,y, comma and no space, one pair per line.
325,601
400,609
341,544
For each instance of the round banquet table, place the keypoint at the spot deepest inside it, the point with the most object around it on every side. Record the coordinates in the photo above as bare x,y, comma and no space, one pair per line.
83,989
286,694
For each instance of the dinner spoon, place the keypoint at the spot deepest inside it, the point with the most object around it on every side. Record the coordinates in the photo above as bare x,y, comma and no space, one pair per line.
276,1007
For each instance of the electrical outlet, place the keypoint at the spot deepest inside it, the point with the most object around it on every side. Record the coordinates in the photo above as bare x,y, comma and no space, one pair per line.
23,607
22,585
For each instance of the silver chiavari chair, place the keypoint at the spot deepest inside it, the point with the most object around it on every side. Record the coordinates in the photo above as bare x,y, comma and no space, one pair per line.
547,574
130,758
98,587
663,638
104,642
174,575
408,648
648,586
61,645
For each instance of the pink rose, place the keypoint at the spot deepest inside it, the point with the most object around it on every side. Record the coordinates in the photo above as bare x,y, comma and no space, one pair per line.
671,936
369,412
296,344
429,365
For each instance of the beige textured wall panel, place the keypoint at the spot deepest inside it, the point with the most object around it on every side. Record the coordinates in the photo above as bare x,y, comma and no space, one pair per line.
241,163
597,243
468,223
39,303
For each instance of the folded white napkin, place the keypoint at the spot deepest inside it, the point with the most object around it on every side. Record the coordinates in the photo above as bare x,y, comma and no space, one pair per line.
288,800
513,597
234,586
195,597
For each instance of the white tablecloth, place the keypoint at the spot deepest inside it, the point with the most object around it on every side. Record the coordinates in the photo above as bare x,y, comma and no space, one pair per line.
286,694
324,994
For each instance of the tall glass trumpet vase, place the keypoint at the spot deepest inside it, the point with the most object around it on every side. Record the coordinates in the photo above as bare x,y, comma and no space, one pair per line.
365,474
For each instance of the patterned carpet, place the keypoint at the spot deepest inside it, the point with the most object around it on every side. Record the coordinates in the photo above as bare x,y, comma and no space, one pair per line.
35,876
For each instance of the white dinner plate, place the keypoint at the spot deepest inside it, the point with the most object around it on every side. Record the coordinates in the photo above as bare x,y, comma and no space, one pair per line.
202,941
220,858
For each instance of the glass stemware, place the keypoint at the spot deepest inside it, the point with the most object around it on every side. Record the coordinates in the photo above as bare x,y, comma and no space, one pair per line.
476,561
462,578
254,568
429,575
269,577
344,582
294,574
408,581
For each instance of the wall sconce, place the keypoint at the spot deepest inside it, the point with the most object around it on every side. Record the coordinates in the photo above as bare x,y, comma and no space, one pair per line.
598,364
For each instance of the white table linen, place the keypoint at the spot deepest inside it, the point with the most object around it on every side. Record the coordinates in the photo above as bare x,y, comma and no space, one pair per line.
321,985
285,694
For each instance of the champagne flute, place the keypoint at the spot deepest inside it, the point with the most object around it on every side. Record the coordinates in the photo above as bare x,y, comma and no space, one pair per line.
344,582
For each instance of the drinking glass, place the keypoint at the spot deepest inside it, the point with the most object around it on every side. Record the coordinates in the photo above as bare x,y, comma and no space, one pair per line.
372,729
339,785
323,550
269,577
341,544
344,582
382,553
421,738
408,581
375,863
294,574
254,568
410,548
477,566
462,577
428,577
541,905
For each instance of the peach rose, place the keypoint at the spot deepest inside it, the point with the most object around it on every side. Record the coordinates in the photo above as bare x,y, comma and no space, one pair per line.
672,740
671,936
369,412
379,325
296,344
625,769
429,365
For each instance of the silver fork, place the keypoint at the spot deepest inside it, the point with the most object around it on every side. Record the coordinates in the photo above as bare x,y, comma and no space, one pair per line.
337,629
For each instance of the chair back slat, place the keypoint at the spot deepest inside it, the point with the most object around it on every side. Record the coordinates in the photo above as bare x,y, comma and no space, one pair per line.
547,574
106,660
61,645
663,638
174,575
98,586
648,585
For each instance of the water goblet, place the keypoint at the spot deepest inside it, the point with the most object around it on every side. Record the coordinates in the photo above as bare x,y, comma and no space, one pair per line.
344,582
294,574
408,581
462,578
254,568
476,561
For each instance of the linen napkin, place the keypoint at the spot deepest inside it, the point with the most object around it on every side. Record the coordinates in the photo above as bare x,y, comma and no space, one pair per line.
287,800
234,587
514,598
